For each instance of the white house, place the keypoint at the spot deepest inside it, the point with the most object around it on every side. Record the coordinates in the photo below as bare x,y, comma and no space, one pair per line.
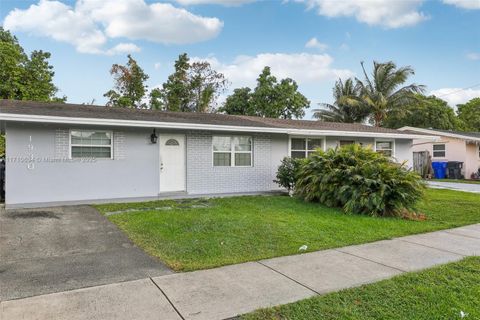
70,154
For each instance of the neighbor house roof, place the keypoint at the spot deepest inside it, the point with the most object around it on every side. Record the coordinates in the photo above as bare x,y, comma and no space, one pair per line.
468,136
27,111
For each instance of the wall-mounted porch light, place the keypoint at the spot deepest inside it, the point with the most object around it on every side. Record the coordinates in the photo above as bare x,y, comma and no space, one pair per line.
153,137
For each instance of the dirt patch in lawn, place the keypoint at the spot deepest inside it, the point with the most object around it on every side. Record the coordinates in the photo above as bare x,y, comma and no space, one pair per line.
176,204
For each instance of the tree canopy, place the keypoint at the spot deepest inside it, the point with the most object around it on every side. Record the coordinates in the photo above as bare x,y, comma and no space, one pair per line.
469,113
25,77
192,87
384,92
129,88
270,98
347,106
426,112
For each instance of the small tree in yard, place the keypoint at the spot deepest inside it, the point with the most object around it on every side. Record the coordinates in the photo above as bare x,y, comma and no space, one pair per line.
360,181
287,173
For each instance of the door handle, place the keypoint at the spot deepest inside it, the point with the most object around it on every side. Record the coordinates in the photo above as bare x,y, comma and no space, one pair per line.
161,166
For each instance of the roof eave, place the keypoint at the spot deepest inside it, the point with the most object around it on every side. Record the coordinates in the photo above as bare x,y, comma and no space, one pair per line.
440,133
199,126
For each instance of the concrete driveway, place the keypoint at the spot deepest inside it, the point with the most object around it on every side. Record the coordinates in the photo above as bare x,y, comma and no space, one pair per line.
467,187
56,249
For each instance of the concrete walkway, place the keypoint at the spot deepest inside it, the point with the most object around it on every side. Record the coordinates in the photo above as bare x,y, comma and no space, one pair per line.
51,250
467,187
237,289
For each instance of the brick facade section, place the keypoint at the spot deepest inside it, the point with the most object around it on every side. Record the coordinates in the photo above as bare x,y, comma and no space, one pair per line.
61,144
203,177
119,151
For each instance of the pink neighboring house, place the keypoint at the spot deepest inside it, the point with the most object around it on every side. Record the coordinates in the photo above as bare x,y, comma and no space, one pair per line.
450,146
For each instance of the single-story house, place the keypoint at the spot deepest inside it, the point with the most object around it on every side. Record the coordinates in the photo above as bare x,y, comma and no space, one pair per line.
450,146
69,154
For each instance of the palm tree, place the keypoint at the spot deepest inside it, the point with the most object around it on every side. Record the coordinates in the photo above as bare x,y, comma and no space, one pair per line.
347,106
384,93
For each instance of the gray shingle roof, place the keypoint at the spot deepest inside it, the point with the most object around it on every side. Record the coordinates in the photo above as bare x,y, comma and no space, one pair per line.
102,112
462,133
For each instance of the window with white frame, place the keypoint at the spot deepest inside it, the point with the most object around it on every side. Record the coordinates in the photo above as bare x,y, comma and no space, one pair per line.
385,147
91,144
232,151
302,147
439,150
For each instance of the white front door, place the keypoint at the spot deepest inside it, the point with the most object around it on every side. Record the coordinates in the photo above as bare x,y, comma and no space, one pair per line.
172,162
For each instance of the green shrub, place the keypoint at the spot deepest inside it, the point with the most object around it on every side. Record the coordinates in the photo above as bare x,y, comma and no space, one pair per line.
360,181
286,173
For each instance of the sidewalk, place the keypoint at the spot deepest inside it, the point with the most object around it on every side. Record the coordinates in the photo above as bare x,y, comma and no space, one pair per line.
458,186
237,289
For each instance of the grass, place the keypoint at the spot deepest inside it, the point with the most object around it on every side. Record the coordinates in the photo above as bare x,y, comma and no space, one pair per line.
457,181
234,230
437,293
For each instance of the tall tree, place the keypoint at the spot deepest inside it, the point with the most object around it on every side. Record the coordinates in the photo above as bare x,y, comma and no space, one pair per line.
264,96
25,77
129,88
289,102
346,107
239,102
426,112
174,95
469,113
192,87
205,85
384,94
270,98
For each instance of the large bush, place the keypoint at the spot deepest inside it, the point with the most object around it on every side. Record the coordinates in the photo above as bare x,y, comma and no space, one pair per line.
360,181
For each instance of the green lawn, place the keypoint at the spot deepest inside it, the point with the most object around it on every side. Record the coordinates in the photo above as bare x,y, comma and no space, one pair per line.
437,293
457,181
188,236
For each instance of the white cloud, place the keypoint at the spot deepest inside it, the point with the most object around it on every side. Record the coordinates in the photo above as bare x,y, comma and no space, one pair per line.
157,65
304,68
221,2
59,22
464,4
456,96
473,56
123,48
315,44
387,13
91,23
157,22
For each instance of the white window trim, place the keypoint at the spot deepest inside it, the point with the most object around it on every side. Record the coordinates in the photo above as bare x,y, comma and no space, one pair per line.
70,144
232,152
323,138
385,140
444,151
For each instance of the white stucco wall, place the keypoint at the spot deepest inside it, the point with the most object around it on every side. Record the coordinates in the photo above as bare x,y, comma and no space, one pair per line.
53,179
403,151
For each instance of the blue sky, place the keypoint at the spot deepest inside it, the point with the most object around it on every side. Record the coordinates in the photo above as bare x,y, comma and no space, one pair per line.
312,41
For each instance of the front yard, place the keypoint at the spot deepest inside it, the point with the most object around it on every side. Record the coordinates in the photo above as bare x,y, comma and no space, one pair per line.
445,292
200,234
